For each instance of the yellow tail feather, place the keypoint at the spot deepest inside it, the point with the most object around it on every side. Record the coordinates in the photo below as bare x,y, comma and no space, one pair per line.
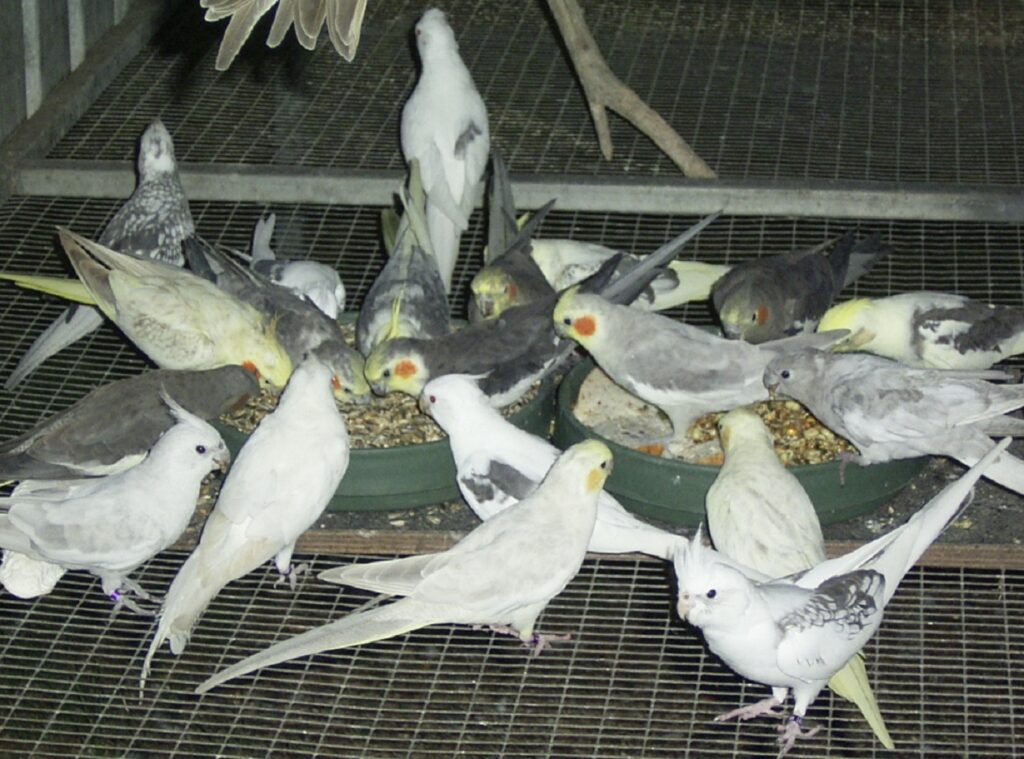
851,683
69,289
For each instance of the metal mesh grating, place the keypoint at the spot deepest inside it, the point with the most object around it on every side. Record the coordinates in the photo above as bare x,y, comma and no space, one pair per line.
635,681
863,90
981,260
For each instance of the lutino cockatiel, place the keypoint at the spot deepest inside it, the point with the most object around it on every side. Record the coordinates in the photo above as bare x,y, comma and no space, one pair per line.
891,411
502,574
760,516
152,223
444,127
794,633
110,525
930,329
280,484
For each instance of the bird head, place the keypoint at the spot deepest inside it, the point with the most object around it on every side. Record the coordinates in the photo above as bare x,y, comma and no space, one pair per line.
348,380
745,310
156,151
591,458
852,315
711,592
792,374
576,318
269,360
396,366
194,443
451,397
739,425
433,34
494,292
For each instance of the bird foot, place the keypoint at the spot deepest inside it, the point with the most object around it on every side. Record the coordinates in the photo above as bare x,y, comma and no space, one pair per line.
766,706
845,459
125,599
792,729
295,571
538,642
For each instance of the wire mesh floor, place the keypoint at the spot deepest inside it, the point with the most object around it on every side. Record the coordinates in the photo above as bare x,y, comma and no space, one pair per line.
635,681
980,260
867,90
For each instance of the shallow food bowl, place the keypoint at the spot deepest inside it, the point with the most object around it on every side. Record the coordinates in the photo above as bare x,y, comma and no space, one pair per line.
406,476
673,491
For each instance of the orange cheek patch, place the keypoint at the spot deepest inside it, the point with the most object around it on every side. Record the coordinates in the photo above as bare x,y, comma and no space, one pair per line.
405,369
512,290
335,382
585,326
251,367
762,314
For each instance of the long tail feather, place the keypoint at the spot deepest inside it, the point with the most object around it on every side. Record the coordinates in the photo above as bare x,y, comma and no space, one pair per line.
75,323
851,683
62,287
354,630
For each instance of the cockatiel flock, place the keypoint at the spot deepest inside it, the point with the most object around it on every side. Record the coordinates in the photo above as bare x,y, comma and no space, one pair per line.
222,324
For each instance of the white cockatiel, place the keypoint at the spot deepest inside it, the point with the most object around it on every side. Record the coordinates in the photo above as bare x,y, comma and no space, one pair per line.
502,574
890,411
111,525
796,632
280,484
497,465
760,516
152,224
316,282
445,128
930,329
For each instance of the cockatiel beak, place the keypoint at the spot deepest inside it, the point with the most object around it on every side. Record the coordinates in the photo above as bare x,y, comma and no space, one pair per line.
685,604
223,460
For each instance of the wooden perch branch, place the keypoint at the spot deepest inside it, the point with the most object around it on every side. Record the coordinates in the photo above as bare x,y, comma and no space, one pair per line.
605,90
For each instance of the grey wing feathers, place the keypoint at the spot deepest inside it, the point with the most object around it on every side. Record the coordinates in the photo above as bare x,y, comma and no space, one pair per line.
152,223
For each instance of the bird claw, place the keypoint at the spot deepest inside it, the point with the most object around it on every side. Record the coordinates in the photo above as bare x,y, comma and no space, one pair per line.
764,707
792,729
538,642
125,599
295,571
845,459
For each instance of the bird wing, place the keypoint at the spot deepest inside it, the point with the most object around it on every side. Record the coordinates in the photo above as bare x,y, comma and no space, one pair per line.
491,482
837,620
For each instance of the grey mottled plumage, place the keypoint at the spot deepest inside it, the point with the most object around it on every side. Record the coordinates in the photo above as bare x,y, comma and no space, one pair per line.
794,633
776,296
113,426
152,223
890,411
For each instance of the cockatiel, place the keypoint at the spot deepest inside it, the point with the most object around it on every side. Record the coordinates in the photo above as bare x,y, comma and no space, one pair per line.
316,282
407,299
513,351
344,21
930,329
114,426
890,411
502,574
280,484
794,633
683,370
499,464
775,296
445,128
760,516
179,320
152,223
299,326
111,525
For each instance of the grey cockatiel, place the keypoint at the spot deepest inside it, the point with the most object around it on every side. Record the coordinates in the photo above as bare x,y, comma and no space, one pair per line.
890,411
497,465
152,223
407,299
299,326
930,329
683,370
113,426
343,18
111,525
316,282
501,574
510,276
759,515
513,351
794,633
771,297
280,484
444,127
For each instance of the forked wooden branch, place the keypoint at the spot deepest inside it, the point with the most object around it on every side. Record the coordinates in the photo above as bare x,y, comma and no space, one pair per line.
605,90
